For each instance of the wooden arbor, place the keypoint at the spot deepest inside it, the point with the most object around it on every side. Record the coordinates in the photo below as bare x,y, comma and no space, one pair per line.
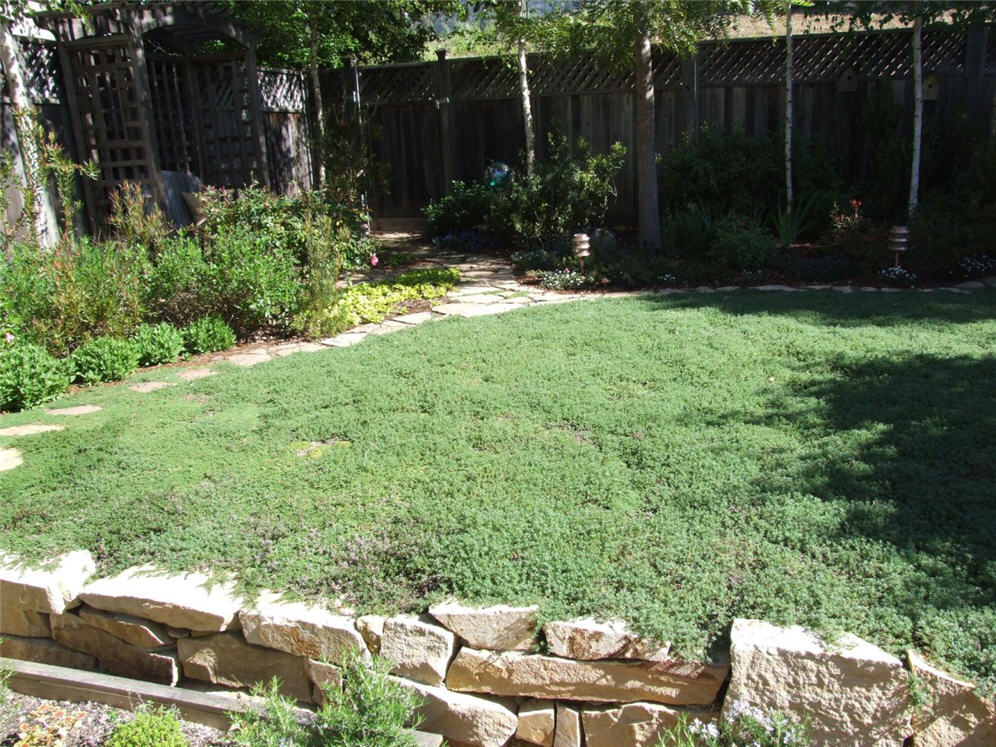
156,87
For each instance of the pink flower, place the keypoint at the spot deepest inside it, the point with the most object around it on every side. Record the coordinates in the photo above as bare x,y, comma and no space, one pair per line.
9,337
373,260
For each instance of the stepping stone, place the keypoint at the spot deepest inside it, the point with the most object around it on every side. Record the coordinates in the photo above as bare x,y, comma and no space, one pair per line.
891,290
345,339
417,318
192,374
295,347
971,285
149,386
469,290
387,327
30,430
704,289
480,298
249,359
728,288
783,288
10,458
868,289
816,287
990,281
474,309
78,410
843,289
953,290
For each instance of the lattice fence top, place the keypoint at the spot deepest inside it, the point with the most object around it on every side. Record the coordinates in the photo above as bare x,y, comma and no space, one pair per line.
43,77
282,91
398,84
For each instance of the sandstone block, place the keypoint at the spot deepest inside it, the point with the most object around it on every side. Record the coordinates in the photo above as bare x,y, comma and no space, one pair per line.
371,627
589,640
419,650
568,732
50,589
45,651
530,675
634,724
25,623
497,628
133,630
226,659
537,721
300,629
114,655
955,715
848,691
463,718
322,676
185,600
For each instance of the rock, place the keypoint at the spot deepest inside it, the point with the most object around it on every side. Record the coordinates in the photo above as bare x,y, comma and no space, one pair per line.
989,282
568,732
371,627
74,411
497,628
387,327
782,288
249,358
226,659
291,348
589,640
301,629
530,675
114,655
48,590
955,714
846,692
971,285
473,309
463,718
419,649
185,600
322,675
537,720
345,339
133,630
29,430
25,623
416,318
45,651
193,374
145,387
9,459
634,724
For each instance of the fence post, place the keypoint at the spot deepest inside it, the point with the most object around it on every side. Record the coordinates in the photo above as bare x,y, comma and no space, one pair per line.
976,43
690,93
444,89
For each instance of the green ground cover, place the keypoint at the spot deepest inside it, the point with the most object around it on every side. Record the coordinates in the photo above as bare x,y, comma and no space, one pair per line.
808,458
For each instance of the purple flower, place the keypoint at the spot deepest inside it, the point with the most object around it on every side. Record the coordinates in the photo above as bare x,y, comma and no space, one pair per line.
9,337
373,260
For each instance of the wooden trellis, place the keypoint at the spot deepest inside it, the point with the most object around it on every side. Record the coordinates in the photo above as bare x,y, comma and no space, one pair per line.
160,86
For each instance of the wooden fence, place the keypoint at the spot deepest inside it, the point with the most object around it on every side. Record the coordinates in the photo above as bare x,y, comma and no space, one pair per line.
433,122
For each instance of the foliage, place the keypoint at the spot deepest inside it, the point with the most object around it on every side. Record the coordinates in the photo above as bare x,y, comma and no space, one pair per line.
564,280
29,375
323,267
897,276
277,725
632,268
464,207
149,728
550,258
158,343
829,268
975,266
104,359
174,290
135,220
690,231
207,334
741,725
740,243
48,725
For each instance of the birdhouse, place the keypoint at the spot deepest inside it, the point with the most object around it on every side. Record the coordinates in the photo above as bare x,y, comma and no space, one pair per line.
848,81
931,87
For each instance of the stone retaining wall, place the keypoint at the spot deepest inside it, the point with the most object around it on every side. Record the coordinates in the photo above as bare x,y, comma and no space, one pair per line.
599,685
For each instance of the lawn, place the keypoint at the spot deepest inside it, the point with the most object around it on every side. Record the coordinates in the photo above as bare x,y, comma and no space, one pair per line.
809,458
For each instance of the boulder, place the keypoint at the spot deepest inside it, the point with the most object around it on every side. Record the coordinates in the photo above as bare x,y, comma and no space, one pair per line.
50,589
954,714
568,732
114,655
589,640
25,623
497,628
634,724
531,675
463,718
371,627
537,720
849,691
301,629
226,659
322,675
418,649
185,600
45,651
133,630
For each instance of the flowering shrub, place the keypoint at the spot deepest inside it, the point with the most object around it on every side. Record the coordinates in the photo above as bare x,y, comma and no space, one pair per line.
29,375
564,280
976,266
897,276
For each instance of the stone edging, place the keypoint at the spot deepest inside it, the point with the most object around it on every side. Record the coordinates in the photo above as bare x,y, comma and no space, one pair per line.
599,684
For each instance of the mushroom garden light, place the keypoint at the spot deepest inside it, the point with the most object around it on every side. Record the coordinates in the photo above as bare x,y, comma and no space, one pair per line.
582,248
899,241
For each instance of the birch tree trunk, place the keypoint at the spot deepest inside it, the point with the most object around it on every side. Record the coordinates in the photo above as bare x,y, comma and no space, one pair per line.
917,115
788,107
527,109
646,166
316,93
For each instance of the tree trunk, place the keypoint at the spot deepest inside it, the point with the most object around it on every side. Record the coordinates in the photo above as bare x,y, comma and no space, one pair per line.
45,228
917,115
316,94
788,107
527,109
646,166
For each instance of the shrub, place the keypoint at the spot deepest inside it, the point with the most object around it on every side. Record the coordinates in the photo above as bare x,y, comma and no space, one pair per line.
690,231
552,258
104,359
897,276
741,725
324,265
815,269
975,266
741,244
464,207
158,343
149,728
29,375
207,335
564,280
175,291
